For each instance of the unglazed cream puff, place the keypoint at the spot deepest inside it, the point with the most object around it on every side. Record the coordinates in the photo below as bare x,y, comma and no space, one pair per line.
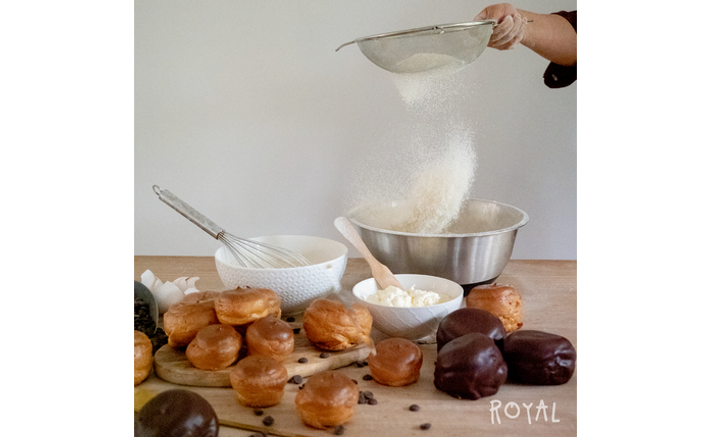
242,306
258,381
215,347
327,399
331,326
503,301
395,362
271,337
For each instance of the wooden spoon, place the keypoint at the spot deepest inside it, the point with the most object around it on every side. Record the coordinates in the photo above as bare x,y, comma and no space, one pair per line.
383,276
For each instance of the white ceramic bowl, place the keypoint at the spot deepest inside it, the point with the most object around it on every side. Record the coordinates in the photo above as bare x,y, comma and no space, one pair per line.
411,323
298,286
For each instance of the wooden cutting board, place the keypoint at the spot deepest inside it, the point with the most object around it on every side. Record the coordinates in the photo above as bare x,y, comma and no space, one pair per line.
173,366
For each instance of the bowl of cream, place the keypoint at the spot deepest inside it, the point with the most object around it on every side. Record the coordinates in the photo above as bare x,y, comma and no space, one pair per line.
413,311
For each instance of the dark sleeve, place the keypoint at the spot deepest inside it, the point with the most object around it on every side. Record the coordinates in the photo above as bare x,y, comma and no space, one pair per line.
559,76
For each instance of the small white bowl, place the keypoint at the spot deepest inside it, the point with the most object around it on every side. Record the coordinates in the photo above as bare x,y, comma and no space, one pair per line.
298,286
411,323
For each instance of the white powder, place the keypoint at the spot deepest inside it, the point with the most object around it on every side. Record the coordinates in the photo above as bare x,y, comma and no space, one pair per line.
428,62
424,182
430,80
438,192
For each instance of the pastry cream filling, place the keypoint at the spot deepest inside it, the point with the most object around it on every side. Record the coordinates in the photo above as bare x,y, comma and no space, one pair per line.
396,297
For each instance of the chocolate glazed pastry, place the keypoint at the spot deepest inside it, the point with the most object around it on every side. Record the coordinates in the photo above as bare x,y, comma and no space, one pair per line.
470,367
177,413
539,358
468,320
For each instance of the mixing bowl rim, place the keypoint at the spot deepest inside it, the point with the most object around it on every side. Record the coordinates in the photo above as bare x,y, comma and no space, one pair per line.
340,245
459,296
514,227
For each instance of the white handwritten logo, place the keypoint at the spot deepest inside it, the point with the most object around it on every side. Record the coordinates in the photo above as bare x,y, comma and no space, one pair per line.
512,411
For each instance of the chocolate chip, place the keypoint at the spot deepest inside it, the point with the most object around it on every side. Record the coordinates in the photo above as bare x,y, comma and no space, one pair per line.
258,412
367,377
296,330
368,394
361,398
324,354
355,381
303,360
414,407
425,426
372,401
296,379
291,319
268,421
339,430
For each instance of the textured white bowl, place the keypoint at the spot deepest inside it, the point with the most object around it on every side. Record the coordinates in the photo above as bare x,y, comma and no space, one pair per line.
298,286
411,323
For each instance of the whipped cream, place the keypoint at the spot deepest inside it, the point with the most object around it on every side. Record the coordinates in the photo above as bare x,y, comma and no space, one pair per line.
396,297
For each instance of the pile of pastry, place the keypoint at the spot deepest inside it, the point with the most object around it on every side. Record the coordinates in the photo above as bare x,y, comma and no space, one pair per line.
481,346
214,328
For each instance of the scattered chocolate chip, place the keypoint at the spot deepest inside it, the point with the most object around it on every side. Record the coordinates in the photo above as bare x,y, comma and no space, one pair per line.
361,398
355,381
425,426
414,407
268,421
296,379
324,354
291,319
259,412
339,430
372,401
368,394
300,387
367,377
296,330
303,360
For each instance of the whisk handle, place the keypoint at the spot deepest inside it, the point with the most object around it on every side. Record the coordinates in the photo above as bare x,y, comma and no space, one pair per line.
188,212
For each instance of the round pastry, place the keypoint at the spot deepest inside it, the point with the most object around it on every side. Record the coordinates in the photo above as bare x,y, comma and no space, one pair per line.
467,320
539,358
503,301
258,381
327,399
271,337
244,305
215,347
395,362
142,357
470,367
184,319
177,413
331,326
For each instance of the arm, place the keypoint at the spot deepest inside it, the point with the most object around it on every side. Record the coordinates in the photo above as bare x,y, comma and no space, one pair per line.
549,35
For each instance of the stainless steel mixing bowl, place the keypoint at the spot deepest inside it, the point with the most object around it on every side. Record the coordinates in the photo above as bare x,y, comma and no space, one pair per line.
475,251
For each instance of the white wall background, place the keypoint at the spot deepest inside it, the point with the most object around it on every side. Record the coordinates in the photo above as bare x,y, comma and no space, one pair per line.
245,110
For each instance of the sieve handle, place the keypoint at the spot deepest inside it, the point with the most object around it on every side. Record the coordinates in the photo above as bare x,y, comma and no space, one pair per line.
188,212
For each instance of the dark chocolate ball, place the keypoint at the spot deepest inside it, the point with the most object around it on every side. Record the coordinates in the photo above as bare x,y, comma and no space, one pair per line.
539,358
470,366
468,320
177,413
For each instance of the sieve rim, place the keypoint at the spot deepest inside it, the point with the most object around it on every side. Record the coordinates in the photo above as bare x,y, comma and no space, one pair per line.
441,27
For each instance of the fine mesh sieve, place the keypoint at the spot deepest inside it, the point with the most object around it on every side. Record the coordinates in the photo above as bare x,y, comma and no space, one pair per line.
446,46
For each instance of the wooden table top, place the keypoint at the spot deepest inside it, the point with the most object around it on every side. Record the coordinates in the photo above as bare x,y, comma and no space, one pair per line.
549,291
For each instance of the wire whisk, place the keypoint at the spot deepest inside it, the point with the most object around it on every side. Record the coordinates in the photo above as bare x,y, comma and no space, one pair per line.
245,252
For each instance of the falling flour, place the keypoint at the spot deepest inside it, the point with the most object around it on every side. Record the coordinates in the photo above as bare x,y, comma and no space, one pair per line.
434,171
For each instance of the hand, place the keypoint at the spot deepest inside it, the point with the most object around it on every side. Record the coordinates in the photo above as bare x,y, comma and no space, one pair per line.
511,25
